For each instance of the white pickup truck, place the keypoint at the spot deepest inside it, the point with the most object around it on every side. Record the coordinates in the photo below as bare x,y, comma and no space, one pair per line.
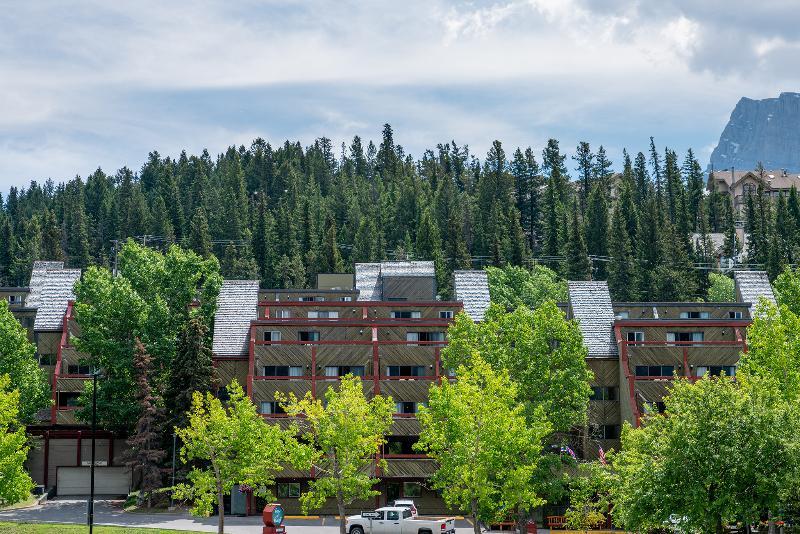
398,520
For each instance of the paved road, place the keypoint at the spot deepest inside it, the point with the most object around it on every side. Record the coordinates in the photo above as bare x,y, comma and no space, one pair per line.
110,513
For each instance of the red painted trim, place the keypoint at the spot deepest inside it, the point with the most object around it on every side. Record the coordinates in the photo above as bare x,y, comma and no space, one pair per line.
341,322
437,365
406,457
682,343
61,345
366,303
742,340
421,378
686,371
350,342
623,346
688,323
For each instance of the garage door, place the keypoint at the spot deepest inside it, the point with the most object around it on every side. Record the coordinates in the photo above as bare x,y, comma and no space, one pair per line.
107,481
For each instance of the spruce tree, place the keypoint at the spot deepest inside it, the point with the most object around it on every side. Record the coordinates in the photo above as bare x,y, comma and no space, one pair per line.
731,247
144,455
597,228
622,271
51,237
603,170
332,257
577,266
642,180
191,371
263,242
199,236
586,170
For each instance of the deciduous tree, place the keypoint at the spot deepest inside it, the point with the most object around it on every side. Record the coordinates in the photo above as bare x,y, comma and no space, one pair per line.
15,483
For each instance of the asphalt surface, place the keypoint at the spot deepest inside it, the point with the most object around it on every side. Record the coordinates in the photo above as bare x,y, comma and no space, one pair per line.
110,513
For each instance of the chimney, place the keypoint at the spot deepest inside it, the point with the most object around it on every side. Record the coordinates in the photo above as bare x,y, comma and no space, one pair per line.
784,173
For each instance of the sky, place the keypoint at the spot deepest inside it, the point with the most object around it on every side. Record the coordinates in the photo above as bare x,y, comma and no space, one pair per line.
101,84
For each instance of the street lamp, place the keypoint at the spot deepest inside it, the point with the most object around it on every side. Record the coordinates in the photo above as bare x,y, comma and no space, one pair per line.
90,512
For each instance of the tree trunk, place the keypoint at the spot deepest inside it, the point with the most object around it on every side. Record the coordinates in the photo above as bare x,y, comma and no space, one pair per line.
220,502
342,516
522,521
476,527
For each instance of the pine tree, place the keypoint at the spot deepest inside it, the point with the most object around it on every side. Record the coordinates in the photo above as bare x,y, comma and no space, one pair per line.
597,227
199,236
51,237
144,455
263,243
331,256
586,170
552,217
603,170
76,234
577,265
190,371
7,250
658,177
622,269
642,180
731,247
694,184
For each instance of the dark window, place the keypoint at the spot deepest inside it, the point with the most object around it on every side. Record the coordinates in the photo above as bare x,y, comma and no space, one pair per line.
685,336
68,398
604,431
695,315
716,370
411,489
308,336
311,299
396,299
734,315
608,393
407,513
288,490
405,314
655,370
283,370
407,407
447,314
425,336
271,407
272,336
635,336
392,515
405,370
341,370
78,369
48,359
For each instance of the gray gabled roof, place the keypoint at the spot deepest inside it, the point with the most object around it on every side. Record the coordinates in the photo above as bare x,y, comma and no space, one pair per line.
38,275
407,268
472,288
56,292
751,286
591,306
237,305
368,281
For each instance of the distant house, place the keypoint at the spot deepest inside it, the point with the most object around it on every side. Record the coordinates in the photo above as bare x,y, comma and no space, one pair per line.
738,184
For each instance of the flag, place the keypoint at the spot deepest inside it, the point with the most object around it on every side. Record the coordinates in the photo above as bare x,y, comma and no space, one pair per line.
566,449
602,455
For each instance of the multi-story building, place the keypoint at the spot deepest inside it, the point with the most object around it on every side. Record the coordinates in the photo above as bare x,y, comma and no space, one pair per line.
385,326
738,184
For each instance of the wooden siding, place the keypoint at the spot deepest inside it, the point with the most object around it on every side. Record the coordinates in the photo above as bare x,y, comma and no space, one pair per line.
409,468
406,390
264,390
71,384
405,426
606,372
226,370
604,412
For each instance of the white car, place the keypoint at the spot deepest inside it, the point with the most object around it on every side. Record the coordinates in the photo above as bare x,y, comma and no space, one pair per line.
398,520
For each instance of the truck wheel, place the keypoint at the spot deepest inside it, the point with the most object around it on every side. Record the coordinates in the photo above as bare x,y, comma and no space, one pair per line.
424,531
356,530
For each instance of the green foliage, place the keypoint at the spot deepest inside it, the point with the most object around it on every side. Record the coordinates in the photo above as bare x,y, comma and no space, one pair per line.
151,300
787,289
191,371
230,445
512,286
15,484
486,448
722,452
590,499
18,362
541,350
721,288
346,430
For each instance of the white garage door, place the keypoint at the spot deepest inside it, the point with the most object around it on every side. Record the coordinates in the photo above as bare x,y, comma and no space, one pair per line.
107,481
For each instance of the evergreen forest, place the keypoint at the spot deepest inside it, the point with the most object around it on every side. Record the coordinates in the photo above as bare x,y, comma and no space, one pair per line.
283,214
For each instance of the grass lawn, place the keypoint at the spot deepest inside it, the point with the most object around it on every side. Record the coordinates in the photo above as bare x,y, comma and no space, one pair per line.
48,528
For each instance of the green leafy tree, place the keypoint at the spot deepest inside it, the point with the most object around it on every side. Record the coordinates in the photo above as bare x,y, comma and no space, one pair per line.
232,445
15,483
540,349
199,236
590,496
486,449
787,289
347,431
512,286
739,447
720,289
18,362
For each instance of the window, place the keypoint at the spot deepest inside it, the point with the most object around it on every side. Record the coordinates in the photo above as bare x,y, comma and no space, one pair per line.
607,393
345,299
405,370
392,515
397,299
446,314
734,315
716,370
271,408
47,359
288,490
425,336
407,407
311,299
412,489
634,337
68,399
684,337
406,514
655,370
283,370
283,314
273,335
308,336
341,370
695,315
623,315
323,314
604,431
405,314
78,369
14,299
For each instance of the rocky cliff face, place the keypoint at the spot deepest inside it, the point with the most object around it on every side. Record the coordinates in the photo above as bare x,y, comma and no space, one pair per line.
761,130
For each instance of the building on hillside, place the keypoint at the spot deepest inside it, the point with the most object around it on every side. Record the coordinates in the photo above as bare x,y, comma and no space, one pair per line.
738,184
61,446
384,325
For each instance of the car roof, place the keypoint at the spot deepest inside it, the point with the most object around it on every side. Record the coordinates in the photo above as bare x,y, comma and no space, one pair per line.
390,508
